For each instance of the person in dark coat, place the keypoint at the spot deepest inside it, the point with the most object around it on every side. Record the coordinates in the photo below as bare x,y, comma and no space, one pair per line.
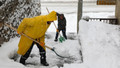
61,26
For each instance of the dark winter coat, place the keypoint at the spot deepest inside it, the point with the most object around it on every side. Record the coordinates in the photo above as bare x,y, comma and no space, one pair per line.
61,22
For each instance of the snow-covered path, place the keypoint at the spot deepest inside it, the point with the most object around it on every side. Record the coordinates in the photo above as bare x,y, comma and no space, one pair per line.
69,47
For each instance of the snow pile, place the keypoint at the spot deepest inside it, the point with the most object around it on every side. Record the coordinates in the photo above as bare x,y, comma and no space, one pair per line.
100,42
69,48
7,51
100,45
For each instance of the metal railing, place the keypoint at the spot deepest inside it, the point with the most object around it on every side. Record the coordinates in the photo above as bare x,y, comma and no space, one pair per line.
105,20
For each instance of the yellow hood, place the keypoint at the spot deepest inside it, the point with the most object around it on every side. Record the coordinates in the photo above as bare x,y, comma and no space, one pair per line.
52,16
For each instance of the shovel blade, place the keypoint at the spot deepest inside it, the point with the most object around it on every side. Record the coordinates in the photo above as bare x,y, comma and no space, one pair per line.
61,39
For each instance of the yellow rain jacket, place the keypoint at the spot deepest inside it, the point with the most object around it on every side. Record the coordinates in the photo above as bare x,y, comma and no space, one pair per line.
35,28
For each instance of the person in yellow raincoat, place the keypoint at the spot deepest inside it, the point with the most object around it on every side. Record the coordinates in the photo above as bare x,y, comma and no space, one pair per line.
35,28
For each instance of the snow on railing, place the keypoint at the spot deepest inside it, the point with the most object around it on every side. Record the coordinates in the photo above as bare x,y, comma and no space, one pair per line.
105,20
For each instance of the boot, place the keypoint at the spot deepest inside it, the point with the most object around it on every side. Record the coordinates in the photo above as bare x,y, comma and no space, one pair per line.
22,60
43,60
55,40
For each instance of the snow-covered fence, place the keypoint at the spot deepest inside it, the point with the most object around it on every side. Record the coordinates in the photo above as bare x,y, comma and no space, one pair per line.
13,11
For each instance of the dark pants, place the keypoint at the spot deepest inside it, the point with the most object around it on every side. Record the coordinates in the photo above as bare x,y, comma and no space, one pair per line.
63,32
41,50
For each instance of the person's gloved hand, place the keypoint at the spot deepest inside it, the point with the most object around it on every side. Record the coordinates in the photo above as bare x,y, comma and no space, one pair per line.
42,43
57,30
19,33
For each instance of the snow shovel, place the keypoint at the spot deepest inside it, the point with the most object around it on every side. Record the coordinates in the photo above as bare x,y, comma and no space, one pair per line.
61,39
53,49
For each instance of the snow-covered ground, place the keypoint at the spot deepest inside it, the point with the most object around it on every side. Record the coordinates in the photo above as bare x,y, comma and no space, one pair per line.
100,49
99,44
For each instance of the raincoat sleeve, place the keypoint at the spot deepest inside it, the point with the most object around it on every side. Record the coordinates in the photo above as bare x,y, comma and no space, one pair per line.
58,14
26,22
42,39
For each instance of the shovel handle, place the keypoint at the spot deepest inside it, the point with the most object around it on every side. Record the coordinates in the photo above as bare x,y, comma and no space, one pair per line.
53,21
36,41
10,27
27,36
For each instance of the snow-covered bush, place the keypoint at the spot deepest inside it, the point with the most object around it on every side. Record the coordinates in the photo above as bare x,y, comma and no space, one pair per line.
13,11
